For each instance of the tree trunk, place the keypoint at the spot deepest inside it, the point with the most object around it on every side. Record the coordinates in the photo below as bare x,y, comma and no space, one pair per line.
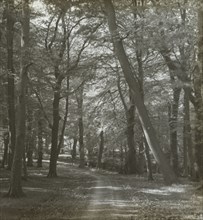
101,148
40,142
148,159
6,143
187,139
74,152
30,134
25,175
15,189
173,122
10,78
55,129
131,160
65,116
141,83
81,142
169,175
141,157
198,89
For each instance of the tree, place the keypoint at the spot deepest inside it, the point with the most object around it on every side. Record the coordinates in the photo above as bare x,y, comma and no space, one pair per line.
10,77
79,98
131,164
101,148
40,140
149,131
198,90
15,189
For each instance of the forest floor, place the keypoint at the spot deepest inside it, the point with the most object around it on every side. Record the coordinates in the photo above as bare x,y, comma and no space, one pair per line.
98,195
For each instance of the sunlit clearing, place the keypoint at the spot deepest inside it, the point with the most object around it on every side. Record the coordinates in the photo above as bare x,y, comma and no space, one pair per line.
165,190
36,189
106,187
113,202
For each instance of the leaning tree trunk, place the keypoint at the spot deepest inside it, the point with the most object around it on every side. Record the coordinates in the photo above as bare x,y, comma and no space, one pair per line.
148,159
15,189
101,149
173,126
10,78
55,129
169,175
141,83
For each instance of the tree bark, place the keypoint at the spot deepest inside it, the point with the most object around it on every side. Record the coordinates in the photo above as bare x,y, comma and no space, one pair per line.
148,159
10,78
29,137
40,142
131,160
6,143
15,189
168,174
81,127
187,139
173,127
198,89
101,149
74,152
65,116
55,129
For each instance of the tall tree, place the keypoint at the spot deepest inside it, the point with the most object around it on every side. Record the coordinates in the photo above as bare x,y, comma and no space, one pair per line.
10,77
131,162
198,89
15,189
79,98
101,149
40,140
59,77
169,175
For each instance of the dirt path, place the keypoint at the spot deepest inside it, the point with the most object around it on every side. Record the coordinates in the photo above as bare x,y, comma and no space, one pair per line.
126,197
79,194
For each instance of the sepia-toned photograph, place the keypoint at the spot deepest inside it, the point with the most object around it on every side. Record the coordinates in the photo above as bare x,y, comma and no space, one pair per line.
101,109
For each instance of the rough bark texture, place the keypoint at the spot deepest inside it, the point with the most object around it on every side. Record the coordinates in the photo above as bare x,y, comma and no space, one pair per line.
10,78
173,127
169,175
101,148
15,189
